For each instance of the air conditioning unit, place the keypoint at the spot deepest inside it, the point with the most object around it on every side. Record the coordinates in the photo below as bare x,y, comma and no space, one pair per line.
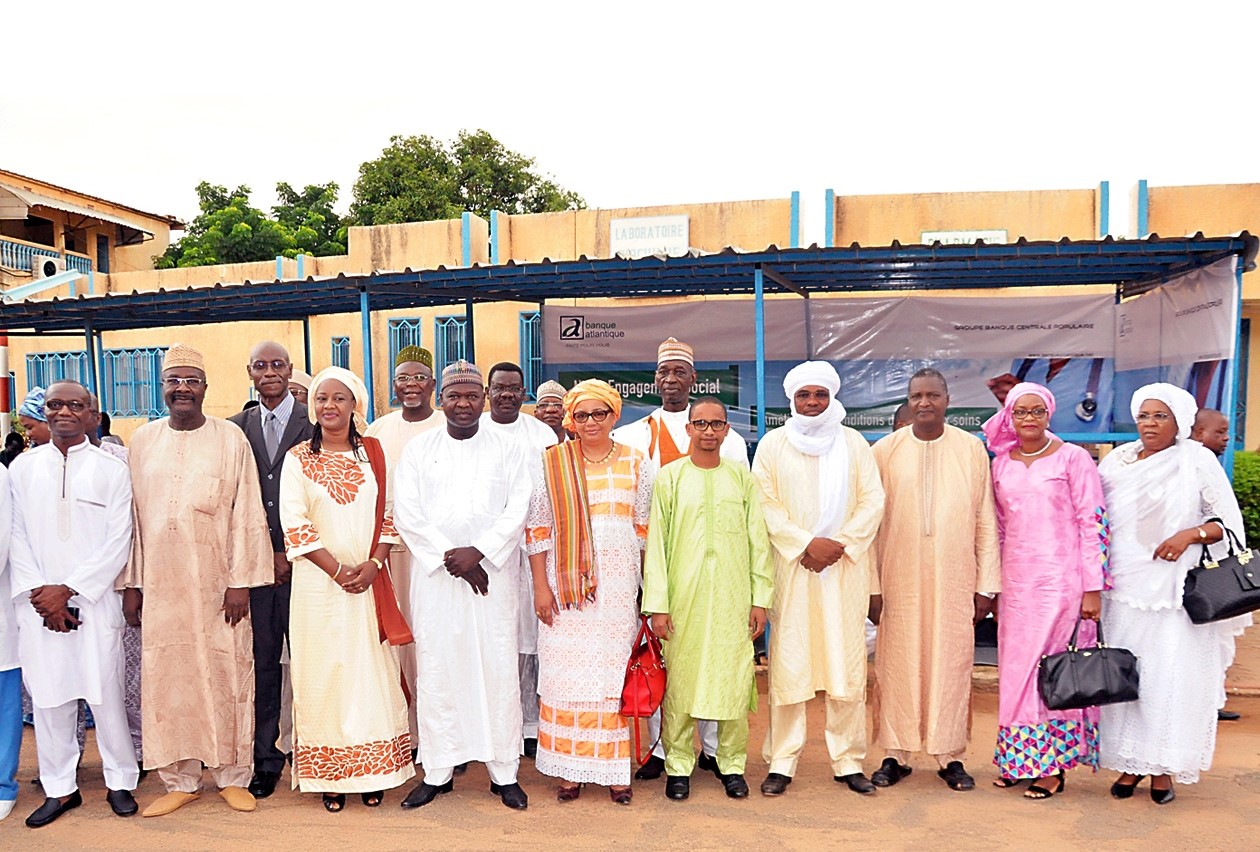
46,266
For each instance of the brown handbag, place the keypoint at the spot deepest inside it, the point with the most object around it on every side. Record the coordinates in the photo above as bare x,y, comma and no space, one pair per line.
644,687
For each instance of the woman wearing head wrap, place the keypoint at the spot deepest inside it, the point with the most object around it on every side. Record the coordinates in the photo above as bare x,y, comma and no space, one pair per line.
1161,490
350,714
34,422
586,533
1050,511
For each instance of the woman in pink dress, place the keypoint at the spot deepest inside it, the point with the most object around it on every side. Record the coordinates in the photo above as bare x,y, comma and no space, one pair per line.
1054,531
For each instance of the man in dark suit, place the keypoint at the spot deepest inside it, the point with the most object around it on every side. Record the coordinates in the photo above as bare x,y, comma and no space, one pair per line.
273,427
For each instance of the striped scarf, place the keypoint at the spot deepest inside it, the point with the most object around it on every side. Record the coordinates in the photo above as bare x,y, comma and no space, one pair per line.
565,472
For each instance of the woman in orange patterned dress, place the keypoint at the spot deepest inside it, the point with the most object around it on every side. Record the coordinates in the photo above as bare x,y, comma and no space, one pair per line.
585,534
349,712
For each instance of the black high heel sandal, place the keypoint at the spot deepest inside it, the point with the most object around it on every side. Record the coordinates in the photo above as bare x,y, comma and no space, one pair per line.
334,802
1163,797
1036,792
373,800
1125,791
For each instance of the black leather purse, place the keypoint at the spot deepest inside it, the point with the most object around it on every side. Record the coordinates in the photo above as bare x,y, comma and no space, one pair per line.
1215,591
1087,677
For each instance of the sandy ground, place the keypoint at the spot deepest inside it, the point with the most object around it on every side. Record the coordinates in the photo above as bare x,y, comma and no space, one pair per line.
1219,813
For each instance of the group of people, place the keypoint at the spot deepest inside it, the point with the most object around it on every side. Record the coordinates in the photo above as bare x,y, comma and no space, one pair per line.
465,583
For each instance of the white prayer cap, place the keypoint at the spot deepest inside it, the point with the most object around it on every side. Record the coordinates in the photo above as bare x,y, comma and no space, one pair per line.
819,373
1179,402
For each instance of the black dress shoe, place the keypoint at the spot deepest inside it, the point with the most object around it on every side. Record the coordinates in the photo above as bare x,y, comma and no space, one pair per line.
652,768
425,793
1227,716
677,787
462,768
709,764
736,786
53,808
1125,791
956,777
122,802
775,784
857,782
511,794
530,747
263,784
1163,797
889,773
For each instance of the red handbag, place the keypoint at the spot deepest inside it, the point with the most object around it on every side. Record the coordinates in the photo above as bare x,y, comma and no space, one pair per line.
644,687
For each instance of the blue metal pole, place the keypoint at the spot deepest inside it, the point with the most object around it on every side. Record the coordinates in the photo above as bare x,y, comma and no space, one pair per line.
100,369
301,264
306,341
495,228
1231,405
794,237
90,346
1104,208
465,239
366,316
1143,211
470,333
91,282
279,267
759,309
829,225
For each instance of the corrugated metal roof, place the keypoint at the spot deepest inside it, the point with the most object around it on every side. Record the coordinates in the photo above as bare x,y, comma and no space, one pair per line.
1130,266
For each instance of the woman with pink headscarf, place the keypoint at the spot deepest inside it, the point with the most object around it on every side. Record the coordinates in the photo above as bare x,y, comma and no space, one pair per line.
1054,533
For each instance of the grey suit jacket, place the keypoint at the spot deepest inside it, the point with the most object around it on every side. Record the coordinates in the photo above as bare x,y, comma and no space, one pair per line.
299,429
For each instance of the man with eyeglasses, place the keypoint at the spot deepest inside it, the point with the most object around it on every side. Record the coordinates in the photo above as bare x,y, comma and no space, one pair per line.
823,502
460,499
413,388
506,390
273,427
71,539
707,582
549,408
662,435
201,544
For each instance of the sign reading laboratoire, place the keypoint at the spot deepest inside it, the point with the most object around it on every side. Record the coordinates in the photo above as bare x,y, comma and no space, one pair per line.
638,387
962,238
647,235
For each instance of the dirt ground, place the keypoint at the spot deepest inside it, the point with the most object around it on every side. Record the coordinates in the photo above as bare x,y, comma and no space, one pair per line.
1219,813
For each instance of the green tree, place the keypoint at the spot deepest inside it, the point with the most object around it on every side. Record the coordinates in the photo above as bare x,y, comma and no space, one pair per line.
419,178
310,218
228,230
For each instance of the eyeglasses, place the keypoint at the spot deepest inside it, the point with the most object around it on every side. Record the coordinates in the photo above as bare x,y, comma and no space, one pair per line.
412,378
1026,413
1155,416
548,406
506,388
57,404
277,364
715,425
598,416
192,382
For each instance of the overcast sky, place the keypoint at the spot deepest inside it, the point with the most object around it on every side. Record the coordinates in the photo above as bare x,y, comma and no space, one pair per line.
636,101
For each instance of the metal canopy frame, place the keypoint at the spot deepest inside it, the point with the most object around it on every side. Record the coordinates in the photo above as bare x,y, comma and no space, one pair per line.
1130,267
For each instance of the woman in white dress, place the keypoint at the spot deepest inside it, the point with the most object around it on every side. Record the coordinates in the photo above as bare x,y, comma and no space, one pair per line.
1160,491
349,713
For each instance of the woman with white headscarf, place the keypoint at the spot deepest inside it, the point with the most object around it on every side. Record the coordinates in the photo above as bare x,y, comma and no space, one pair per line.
1161,490
822,499
349,711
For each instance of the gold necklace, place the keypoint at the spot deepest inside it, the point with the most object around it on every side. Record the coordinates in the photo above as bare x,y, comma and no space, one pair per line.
590,460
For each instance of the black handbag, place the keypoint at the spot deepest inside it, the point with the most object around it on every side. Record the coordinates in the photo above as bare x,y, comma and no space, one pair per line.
1087,677
1215,591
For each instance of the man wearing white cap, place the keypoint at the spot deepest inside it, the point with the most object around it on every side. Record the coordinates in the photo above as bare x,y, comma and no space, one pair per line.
662,435
460,498
200,545
823,502
549,408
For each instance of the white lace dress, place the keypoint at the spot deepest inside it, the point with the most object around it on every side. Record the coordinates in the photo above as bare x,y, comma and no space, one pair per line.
1171,728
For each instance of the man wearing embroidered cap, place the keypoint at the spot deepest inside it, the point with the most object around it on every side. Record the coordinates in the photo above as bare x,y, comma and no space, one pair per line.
413,388
662,436
823,503
200,545
460,498
549,407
